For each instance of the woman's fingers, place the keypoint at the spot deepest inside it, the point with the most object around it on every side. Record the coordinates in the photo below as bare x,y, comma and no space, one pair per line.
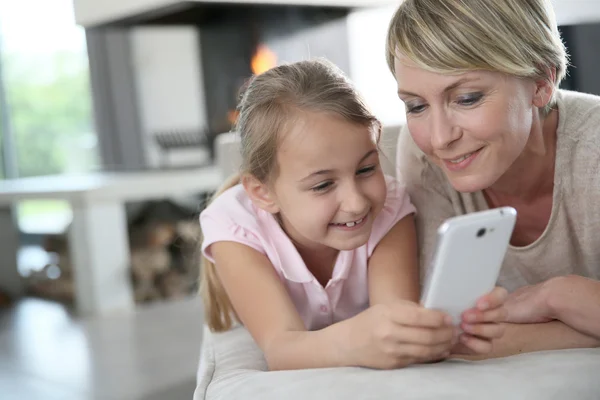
477,345
499,314
484,331
489,308
494,299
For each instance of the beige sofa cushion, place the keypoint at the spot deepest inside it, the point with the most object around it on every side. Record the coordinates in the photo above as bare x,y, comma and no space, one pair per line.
232,367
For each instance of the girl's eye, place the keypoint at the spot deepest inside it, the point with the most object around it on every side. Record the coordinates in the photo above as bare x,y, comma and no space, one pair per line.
322,187
366,170
470,99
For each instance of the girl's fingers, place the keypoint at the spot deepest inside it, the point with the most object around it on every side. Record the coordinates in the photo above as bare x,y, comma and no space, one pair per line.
425,353
416,316
426,337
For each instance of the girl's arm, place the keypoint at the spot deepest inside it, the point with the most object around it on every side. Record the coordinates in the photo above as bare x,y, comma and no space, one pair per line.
393,270
394,276
380,337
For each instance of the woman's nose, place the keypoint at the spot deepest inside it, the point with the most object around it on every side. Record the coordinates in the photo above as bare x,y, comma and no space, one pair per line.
443,131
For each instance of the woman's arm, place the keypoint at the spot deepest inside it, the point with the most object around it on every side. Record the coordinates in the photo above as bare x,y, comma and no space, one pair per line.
393,269
527,338
561,313
572,299
575,300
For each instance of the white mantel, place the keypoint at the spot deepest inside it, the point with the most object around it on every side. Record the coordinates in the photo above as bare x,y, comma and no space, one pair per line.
96,12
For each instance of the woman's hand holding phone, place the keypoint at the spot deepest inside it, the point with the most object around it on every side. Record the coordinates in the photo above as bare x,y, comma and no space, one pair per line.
482,324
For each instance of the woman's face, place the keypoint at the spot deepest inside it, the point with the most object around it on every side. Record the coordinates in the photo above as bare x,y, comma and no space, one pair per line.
473,125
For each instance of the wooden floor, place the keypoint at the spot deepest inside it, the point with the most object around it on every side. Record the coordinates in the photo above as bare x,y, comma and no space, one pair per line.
151,354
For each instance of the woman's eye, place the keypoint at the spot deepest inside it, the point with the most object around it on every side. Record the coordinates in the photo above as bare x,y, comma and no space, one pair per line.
470,99
416,109
366,170
321,187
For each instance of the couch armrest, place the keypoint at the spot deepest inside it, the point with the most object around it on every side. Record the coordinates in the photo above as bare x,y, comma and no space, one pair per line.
227,153
228,157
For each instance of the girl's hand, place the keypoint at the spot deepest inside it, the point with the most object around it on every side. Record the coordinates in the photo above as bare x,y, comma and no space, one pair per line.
482,324
387,336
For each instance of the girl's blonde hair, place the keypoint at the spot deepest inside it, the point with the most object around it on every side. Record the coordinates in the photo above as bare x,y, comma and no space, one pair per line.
516,37
270,103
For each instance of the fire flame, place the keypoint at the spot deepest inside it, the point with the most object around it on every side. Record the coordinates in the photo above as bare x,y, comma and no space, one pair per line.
232,116
263,59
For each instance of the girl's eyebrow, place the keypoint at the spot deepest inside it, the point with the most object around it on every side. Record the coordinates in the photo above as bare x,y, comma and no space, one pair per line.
328,171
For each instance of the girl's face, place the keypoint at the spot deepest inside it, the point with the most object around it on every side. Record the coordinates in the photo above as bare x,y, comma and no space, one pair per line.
473,125
330,186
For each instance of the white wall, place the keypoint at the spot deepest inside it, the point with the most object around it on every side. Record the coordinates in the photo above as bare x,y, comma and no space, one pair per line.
367,31
168,79
576,11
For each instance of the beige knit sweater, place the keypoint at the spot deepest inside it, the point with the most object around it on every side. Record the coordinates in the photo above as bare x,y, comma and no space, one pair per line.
571,242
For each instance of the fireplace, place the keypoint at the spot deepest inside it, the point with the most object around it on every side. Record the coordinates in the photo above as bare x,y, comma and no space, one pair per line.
234,41
244,40
166,74
262,36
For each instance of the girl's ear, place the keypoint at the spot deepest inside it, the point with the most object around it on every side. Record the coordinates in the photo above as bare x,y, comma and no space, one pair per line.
261,194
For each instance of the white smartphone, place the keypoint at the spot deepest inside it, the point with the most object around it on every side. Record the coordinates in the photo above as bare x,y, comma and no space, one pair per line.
469,253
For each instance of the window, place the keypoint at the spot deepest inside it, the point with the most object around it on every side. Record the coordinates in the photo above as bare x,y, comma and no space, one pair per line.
45,75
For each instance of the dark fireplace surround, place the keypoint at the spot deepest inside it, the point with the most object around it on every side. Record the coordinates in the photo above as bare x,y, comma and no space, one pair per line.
230,35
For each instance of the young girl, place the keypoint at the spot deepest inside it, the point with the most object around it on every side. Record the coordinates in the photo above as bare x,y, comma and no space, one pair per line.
314,252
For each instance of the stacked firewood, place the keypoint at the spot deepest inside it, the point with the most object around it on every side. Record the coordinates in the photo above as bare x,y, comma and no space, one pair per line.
164,264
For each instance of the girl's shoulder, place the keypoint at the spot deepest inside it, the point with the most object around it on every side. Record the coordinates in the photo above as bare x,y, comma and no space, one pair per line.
231,217
233,200
232,208
397,206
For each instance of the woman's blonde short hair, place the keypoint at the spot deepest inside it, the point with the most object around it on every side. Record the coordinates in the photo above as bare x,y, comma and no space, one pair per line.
516,37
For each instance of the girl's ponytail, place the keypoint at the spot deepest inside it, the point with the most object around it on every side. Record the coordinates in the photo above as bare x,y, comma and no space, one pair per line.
218,311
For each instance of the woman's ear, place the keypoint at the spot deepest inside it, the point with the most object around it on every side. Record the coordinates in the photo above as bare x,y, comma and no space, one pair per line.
544,89
260,193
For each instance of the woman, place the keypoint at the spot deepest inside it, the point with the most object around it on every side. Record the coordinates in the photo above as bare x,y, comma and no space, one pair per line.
487,127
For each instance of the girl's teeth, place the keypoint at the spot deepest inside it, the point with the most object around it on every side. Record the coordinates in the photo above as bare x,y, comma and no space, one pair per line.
351,224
